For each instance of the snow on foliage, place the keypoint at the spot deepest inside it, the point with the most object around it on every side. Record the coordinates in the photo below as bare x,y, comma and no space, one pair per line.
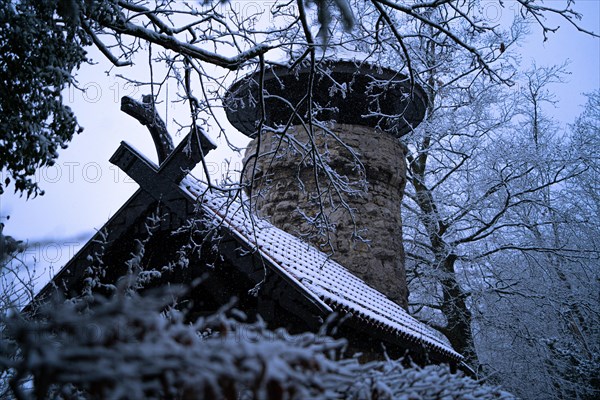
134,346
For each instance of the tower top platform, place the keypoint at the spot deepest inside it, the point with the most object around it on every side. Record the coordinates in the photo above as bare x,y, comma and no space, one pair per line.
344,91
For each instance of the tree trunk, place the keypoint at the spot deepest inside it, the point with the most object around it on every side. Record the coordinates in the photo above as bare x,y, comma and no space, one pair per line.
458,315
453,307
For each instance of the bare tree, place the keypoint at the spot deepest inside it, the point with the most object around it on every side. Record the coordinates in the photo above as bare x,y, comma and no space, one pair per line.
16,278
200,44
489,226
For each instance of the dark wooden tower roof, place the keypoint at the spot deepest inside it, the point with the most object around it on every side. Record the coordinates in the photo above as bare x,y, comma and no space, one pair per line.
344,91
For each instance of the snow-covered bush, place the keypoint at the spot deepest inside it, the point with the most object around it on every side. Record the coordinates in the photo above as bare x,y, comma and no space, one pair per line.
129,347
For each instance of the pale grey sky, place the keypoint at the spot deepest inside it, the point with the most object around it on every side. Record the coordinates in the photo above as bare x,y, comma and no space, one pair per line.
83,190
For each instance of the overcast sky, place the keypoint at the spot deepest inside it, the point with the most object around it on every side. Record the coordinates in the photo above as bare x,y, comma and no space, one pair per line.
83,190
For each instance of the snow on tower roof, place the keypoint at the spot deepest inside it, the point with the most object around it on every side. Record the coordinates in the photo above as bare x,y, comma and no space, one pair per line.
323,280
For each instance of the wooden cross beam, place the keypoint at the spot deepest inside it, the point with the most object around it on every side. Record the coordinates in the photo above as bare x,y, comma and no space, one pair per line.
163,182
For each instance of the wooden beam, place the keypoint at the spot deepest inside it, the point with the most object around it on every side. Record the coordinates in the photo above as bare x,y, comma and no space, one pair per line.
163,182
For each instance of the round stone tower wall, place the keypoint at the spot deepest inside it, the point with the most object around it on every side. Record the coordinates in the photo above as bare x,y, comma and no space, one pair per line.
366,240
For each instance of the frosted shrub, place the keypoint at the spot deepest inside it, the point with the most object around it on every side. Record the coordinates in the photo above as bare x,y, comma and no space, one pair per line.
129,347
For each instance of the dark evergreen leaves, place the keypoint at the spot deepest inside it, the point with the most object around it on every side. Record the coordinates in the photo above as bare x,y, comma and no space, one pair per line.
39,49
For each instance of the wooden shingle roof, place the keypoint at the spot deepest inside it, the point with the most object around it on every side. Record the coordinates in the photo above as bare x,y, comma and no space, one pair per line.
312,272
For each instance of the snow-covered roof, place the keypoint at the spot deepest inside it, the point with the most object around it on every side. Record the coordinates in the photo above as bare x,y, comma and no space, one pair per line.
328,283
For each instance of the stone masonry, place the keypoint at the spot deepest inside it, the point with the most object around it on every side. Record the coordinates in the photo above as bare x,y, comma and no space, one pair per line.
366,240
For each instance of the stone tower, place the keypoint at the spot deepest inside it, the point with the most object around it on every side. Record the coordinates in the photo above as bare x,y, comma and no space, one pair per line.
359,112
